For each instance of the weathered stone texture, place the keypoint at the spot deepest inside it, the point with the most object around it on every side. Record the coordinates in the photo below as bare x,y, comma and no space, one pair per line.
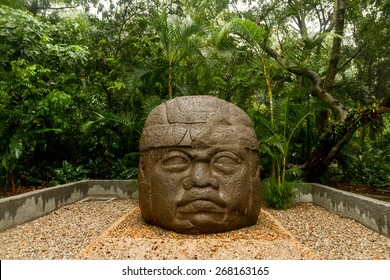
199,166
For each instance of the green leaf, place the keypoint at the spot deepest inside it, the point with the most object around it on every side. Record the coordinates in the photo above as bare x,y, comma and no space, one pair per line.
44,130
4,162
16,146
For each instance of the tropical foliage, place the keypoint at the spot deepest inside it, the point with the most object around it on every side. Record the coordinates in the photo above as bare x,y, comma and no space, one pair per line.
77,79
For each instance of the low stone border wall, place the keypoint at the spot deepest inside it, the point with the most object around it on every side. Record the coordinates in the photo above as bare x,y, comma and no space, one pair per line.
372,213
23,208
19,209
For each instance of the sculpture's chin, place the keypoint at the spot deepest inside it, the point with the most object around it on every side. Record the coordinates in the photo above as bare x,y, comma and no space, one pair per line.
204,222
205,218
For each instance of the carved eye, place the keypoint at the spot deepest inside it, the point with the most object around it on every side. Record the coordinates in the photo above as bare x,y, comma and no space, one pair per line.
175,161
226,162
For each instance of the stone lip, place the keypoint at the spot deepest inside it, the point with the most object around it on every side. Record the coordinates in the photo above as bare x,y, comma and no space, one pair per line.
19,209
200,206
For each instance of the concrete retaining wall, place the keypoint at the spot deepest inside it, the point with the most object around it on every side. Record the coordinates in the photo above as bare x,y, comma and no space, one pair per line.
16,210
23,208
372,213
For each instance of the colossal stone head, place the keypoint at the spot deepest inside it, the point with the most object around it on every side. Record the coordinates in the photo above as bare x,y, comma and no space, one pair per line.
199,166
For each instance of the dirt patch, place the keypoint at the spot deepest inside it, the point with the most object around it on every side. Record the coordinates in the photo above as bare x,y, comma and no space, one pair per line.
366,190
20,190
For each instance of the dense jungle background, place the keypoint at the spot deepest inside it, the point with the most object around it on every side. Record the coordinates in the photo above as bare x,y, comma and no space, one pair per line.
78,78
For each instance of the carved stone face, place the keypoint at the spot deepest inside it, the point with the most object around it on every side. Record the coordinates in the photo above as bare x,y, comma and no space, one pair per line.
199,170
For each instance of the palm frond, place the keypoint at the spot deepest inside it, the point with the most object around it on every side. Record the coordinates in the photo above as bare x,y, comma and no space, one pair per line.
251,33
295,171
137,73
225,44
128,120
150,103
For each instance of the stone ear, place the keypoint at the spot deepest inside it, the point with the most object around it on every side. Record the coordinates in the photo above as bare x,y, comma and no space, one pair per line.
144,187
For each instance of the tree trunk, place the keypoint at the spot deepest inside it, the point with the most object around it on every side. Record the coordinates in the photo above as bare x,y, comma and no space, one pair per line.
34,7
336,47
339,19
334,138
271,106
170,87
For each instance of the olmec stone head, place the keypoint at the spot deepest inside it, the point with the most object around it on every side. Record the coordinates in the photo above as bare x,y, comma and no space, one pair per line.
199,166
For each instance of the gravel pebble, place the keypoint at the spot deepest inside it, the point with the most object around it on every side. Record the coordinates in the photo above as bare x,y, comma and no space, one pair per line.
331,237
64,233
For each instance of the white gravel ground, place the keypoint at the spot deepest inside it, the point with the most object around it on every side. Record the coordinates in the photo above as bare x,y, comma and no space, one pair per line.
65,232
332,237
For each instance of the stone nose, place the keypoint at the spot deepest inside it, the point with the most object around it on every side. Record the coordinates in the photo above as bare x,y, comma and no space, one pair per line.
200,177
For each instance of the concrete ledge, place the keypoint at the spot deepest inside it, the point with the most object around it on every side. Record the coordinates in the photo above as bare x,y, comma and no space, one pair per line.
23,208
372,213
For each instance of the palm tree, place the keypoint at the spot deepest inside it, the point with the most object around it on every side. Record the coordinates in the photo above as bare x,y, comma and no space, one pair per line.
177,40
250,37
